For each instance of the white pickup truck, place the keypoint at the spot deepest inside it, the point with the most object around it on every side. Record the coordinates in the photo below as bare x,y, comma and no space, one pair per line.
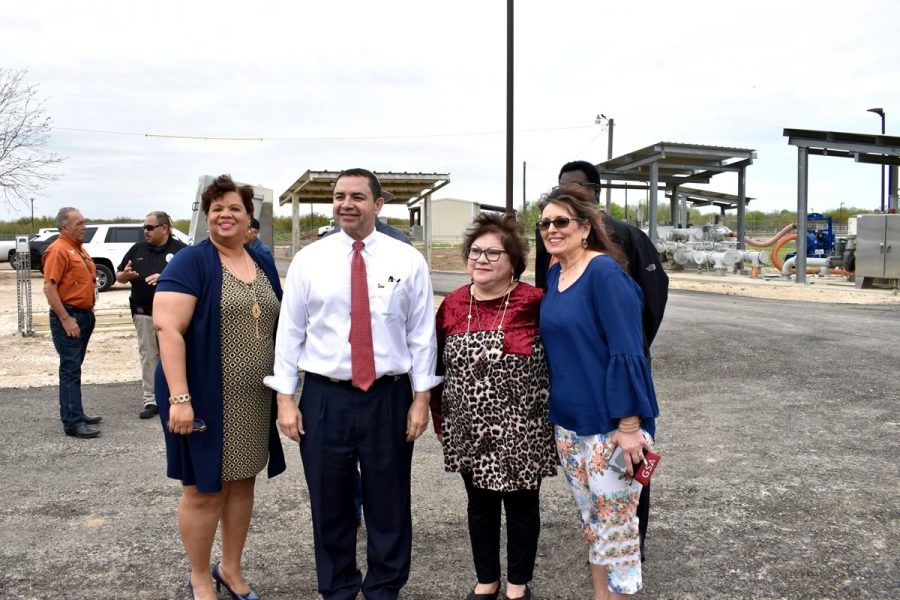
7,250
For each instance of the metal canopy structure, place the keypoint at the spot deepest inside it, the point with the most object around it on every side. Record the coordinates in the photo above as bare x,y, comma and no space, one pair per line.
674,165
861,147
316,187
698,197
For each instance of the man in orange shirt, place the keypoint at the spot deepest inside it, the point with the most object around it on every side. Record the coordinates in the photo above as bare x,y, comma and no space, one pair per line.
69,285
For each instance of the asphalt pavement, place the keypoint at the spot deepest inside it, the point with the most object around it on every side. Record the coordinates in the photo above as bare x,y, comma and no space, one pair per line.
779,478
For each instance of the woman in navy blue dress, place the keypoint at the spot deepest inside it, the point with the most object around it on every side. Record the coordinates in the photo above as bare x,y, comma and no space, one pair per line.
601,392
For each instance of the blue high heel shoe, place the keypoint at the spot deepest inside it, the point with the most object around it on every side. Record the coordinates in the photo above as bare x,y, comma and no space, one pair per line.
251,595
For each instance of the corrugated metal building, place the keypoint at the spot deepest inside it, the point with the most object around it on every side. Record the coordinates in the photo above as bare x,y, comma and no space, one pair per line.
450,218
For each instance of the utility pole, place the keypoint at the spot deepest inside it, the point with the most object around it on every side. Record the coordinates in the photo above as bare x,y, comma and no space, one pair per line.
609,155
610,123
523,187
509,106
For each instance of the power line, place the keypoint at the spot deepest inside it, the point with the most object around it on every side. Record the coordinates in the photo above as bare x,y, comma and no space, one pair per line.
312,138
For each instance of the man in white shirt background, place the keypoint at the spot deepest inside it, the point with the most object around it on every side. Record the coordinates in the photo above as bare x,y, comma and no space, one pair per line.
357,402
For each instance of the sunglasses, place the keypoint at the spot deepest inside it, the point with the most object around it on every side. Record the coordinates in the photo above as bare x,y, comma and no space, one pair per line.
558,222
152,227
492,254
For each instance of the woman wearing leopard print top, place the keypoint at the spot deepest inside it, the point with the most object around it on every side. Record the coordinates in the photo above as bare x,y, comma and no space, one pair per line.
491,411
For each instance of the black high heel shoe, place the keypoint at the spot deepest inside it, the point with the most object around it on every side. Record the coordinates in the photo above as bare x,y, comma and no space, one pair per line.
191,589
251,595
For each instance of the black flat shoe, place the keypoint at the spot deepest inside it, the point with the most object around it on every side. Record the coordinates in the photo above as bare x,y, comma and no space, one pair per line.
91,419
148,412
492,596
83,431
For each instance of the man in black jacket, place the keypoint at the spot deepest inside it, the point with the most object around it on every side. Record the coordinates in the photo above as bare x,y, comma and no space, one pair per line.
644,267
141,266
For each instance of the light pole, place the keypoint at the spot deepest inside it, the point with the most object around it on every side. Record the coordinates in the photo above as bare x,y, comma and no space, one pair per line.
880,113
611,123
841,213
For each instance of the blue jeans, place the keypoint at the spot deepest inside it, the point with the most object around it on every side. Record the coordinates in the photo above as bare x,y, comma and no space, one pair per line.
71,354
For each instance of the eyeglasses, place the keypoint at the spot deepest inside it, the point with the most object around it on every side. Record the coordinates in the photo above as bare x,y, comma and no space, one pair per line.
492,254
558,222
152,227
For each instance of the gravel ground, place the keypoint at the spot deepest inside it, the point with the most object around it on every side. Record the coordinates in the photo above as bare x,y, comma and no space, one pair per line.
779,478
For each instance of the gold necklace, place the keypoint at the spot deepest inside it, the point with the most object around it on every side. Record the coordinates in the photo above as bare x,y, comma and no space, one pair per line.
255,311
563,273
476,357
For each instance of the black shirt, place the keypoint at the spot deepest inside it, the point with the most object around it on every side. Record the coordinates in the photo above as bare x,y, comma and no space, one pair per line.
145,261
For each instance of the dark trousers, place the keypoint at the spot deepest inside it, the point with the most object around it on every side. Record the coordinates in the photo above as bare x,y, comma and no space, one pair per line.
71,354
344,425
643,515
523,526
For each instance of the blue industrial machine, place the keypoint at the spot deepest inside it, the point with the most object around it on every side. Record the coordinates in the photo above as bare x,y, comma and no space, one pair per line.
819,236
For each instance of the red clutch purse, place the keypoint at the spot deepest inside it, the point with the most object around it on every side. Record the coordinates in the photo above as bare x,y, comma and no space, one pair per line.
644,471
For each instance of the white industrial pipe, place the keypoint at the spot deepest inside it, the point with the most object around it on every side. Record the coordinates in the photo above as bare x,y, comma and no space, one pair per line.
756,258
810,262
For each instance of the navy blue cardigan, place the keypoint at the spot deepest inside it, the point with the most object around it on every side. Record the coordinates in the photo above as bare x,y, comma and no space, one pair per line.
196,459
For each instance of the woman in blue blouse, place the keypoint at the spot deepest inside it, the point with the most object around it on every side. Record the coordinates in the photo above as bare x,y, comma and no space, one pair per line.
601,392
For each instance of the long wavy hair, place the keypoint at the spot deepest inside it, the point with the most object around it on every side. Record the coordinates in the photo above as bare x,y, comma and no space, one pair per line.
574,198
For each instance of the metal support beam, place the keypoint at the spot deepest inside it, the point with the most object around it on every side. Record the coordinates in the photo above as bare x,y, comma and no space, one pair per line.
802,192
640,163
295,225
427,216
892,187
673,206
742,208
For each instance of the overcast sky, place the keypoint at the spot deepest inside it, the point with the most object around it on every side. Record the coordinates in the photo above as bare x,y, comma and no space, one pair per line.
421,86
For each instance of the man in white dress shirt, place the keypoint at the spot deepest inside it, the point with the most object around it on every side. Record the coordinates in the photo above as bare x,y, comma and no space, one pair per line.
338,422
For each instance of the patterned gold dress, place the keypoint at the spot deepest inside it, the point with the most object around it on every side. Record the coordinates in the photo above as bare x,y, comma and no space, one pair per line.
247,357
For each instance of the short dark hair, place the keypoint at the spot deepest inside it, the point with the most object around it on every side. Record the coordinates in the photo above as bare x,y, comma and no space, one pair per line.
589,170
510,232
254,223
374,184
162,217
575,199
220,186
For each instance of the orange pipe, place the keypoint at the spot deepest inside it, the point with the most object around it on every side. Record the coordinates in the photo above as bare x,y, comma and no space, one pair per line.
774,258
772,240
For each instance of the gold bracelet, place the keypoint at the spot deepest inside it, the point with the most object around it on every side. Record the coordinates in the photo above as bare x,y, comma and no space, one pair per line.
629,426
179,399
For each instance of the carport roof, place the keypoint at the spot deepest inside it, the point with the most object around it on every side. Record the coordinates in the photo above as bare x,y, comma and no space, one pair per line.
407,188
699,197
677,163
861,147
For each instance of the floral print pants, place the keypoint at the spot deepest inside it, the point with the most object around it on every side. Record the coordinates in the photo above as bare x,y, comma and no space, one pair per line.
607,501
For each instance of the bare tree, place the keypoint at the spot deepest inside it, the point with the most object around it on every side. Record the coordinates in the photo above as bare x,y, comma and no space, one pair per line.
25,164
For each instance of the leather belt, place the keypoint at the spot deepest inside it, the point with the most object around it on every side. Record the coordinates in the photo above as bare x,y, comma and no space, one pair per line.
71,308
383,380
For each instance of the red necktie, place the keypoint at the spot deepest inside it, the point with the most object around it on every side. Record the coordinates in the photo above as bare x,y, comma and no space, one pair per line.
362,357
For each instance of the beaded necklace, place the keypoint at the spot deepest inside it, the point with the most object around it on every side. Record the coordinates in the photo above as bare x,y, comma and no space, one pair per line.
481,353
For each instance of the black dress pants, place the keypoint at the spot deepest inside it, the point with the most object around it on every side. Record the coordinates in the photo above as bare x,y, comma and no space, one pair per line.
344,425
523,526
